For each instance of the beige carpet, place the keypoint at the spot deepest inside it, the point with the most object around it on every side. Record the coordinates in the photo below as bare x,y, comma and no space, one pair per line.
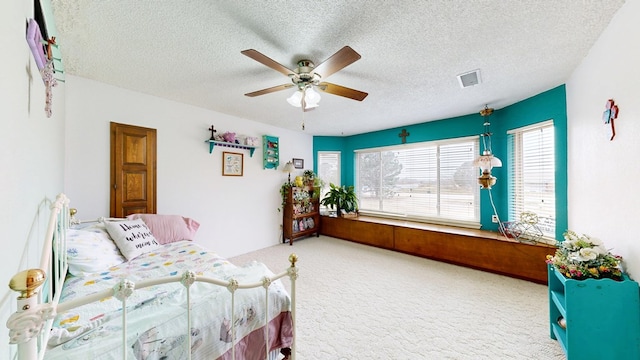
360,302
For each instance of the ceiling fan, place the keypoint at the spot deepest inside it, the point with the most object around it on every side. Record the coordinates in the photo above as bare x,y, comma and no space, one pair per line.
308,76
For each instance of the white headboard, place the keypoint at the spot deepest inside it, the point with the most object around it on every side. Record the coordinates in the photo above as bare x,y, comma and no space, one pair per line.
40,287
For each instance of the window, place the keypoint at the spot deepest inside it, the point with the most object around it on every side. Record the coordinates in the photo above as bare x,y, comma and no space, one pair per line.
328,169
532,174
428,181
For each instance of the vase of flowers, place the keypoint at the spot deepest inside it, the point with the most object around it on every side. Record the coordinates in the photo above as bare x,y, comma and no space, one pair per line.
580,257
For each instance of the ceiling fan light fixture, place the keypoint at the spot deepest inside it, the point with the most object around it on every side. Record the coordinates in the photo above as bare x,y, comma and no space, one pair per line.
307,75
311,98
295,98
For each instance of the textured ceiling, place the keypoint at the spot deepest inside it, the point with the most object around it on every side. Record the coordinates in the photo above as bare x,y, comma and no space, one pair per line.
189,51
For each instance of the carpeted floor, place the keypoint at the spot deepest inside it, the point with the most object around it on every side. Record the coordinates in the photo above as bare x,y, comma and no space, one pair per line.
360,302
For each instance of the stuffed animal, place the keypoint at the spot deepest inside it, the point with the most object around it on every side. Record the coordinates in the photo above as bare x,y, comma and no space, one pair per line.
251,141
299,181
229,137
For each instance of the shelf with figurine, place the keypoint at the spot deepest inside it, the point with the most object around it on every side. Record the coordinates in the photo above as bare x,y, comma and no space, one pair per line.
230,140
270,152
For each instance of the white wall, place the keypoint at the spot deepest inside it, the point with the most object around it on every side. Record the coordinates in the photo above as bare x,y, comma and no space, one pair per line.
604,197
31,155
237,214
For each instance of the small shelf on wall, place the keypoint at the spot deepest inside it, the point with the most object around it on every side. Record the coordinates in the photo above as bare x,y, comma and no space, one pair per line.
270,152
213,143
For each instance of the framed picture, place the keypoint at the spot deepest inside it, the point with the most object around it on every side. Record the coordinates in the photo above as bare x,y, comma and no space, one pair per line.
232,164
298,163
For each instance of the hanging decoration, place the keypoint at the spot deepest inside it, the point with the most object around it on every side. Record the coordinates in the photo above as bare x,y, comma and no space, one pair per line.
49,82
609,115
486,161
44,60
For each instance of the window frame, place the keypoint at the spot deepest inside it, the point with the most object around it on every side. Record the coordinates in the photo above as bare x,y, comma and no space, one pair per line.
475,223
516,184
325,186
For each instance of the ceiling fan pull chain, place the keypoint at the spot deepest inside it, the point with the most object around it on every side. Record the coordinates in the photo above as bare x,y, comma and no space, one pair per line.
303,103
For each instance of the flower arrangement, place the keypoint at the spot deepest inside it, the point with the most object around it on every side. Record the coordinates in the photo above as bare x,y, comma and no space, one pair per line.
581,257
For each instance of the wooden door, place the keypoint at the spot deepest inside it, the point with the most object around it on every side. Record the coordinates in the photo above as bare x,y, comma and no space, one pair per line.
133,170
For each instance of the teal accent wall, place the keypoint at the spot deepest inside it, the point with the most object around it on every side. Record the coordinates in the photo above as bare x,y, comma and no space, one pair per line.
550,104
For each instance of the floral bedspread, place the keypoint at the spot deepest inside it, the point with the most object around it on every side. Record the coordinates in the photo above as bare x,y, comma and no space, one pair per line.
156,316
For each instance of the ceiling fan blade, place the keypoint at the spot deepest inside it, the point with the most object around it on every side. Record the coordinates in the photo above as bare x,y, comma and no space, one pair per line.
269,90
338,61
342,91
265,60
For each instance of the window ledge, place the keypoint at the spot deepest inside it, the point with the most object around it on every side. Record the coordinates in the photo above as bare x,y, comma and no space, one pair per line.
446,229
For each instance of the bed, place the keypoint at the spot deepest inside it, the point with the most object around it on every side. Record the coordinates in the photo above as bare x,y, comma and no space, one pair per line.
180,300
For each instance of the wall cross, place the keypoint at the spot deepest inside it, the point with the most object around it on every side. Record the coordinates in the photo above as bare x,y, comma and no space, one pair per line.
404,135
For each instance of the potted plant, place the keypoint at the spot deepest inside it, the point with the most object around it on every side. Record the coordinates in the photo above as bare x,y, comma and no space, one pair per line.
343,199
308,177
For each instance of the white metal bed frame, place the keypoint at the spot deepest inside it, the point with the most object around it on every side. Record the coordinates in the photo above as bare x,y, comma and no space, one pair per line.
38,307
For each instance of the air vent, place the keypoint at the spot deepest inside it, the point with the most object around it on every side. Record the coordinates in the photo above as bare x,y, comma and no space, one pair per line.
469,78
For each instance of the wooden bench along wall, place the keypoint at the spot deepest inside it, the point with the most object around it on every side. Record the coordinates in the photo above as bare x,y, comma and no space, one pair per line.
479,249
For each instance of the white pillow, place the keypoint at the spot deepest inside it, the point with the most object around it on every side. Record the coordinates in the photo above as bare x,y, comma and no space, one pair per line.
91,250
133,237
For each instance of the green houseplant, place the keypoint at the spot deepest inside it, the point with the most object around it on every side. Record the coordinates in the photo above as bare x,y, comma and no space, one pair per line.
342,198
284,190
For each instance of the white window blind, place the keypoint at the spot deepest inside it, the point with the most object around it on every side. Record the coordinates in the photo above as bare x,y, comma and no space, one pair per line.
532,179
328,169
429,181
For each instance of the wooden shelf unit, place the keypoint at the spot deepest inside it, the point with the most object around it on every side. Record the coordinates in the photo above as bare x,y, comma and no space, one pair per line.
301,214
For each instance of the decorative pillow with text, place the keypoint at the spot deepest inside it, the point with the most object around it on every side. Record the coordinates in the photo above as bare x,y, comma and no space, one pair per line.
133,237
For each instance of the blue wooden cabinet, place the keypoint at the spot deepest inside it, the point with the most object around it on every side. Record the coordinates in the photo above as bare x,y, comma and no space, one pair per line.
270,152
602,317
